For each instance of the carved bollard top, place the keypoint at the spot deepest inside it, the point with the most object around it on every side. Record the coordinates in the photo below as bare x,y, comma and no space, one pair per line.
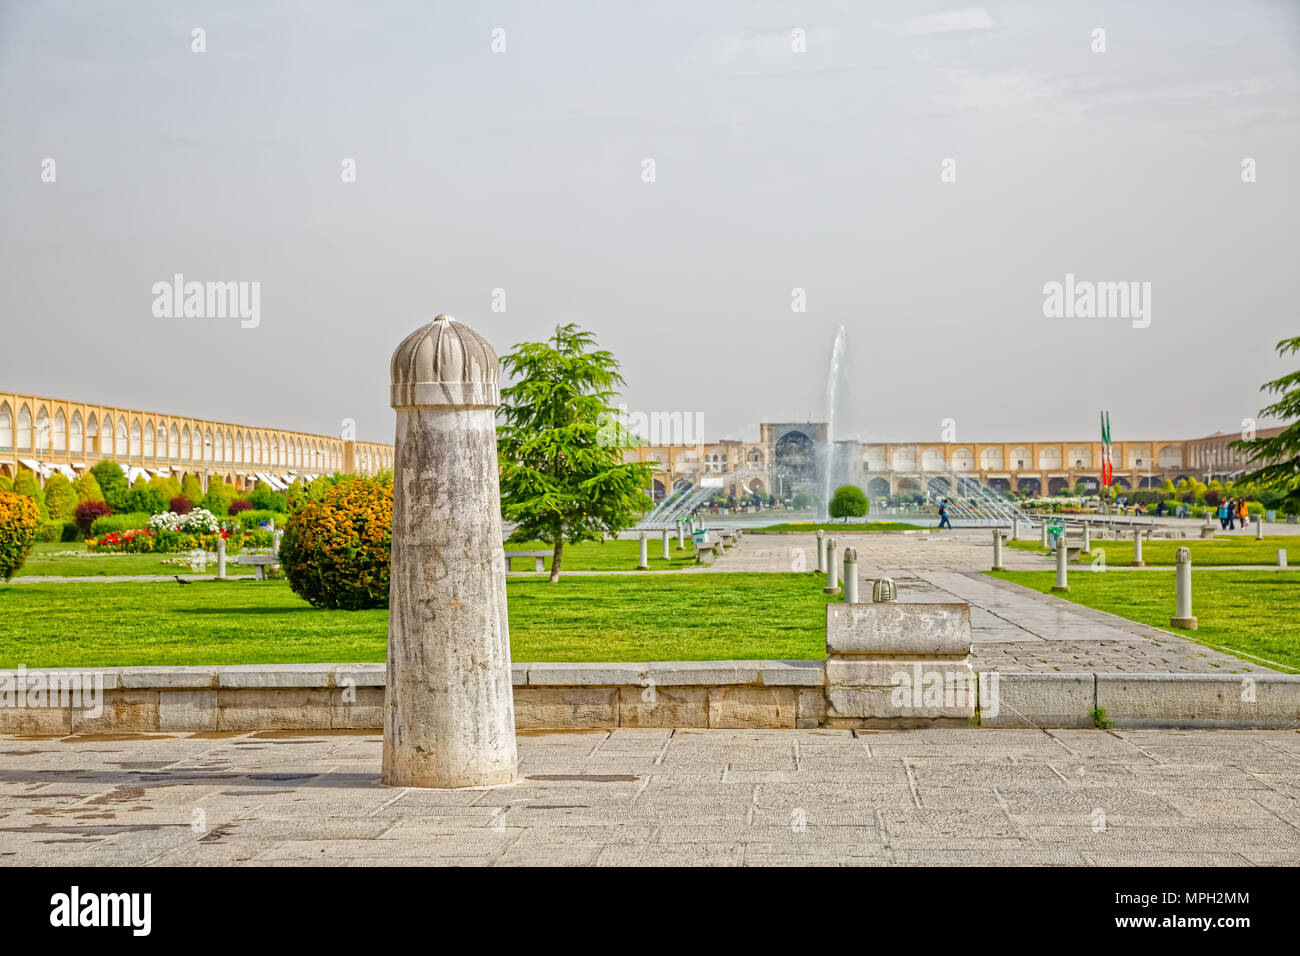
884,591
1183,556
850,555
445,363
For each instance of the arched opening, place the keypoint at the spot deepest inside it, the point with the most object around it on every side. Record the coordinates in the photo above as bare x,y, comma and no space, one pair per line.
1057,486
6,427
878,488
1031,485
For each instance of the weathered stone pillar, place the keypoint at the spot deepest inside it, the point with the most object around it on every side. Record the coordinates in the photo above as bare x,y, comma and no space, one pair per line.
1137,549
276,538
1281,557
1183,591
997,550
1015,529
667,554
850,575
1062,556
821,552
1259,528
832,570
681,534
1087,538
221,556
448,713
644,563
1044,527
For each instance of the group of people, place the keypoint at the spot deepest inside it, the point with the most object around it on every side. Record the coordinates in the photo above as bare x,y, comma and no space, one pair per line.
1232,511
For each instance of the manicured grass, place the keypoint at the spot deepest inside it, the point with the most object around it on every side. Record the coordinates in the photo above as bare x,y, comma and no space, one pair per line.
589,618
1205,551
70,559
55,559
860,527
616,555
1252,612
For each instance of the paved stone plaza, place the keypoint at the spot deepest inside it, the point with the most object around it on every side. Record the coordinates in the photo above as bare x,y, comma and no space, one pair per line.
641,797
1013,629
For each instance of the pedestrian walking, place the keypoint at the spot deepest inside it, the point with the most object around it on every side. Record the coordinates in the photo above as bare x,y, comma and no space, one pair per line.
943,515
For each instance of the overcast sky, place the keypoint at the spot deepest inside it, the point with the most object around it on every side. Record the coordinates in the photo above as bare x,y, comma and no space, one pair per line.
774,169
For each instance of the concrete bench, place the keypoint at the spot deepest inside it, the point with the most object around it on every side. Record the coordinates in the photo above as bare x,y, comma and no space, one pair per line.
707,552
538,556
260,563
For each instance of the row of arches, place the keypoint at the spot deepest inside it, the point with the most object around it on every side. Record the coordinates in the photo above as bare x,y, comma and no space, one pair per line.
1020,458
163,440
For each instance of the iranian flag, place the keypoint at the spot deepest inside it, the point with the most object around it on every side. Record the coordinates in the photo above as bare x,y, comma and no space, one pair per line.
1107,471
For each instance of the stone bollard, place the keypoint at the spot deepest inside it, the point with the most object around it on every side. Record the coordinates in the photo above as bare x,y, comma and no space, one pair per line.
1281,557
832,570
667,553
1015,529
1137,549
1259,528
449,716
276,538
1062,556
1043,522
1183,591
681,534
221,556
850,575
997,550
644,563
1087,538
821,552
884,591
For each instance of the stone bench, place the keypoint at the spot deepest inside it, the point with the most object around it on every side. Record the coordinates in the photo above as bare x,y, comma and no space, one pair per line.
538,556
260,563
708,552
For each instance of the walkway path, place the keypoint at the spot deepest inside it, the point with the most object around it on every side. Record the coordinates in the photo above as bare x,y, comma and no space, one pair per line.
663,797
1014,629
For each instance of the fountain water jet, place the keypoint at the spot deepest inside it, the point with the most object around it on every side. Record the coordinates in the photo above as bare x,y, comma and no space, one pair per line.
832,385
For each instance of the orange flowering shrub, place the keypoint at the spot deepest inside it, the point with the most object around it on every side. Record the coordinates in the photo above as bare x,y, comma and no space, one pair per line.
19,521
337,550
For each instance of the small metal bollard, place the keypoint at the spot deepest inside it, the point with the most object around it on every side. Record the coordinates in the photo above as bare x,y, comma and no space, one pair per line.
832,570
997,550
1183,591
850,575
821,552
1062,555
884,591
644,563
1137,549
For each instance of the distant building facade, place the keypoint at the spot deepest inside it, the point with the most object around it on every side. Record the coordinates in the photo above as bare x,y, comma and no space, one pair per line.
43,434
789,455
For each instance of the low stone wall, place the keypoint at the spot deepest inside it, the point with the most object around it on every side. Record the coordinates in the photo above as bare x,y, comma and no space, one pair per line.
685,694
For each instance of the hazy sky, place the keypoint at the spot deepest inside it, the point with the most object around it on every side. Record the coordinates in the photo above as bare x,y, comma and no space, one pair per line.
774,170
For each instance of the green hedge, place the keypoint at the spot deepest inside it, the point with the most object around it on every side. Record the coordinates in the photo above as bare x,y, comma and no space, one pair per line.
123,522
253,518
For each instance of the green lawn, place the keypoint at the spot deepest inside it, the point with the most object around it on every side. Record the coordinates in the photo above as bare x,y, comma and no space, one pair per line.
70,559
1208,551
860,527
1253,612
611,555
590,618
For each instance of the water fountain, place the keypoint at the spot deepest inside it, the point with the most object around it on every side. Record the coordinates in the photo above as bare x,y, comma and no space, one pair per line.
832,385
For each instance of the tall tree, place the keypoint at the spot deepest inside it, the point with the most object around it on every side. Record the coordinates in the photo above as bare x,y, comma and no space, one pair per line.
1279,455
560,445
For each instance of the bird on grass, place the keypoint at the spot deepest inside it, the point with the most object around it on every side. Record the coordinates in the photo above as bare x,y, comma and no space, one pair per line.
179,579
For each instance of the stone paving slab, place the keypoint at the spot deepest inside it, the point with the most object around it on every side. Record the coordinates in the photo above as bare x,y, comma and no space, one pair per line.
942,797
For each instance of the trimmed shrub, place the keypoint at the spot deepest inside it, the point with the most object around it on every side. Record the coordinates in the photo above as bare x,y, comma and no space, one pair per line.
6,483
192,489
218,498
87,488
26,484
19,521
70,532
131,521
848,502
238,505
253,518
336,551
60,498
181,505
266,498
112,483
87,512
49,532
